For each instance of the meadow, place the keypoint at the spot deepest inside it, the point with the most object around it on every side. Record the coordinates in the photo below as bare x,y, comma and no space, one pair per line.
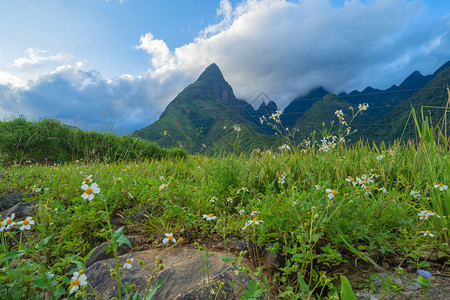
327,207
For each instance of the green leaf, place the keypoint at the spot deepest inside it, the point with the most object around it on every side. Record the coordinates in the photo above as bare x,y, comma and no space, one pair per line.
120,238
346,290
12,255
40,245
154,289
303,286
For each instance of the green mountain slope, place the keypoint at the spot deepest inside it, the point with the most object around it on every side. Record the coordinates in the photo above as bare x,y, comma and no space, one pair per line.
204,114
434,94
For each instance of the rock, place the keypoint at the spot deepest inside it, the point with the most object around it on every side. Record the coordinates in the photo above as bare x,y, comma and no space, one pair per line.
184,275
11,200
237,244
273,260
21,209
100,253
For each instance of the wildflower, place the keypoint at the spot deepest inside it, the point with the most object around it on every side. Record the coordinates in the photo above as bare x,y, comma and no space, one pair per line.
317,186
127,264
383,190
213,199
440,186
241,212
229,200
161,178
163,186
245,227
254,212
424,273
254,221
236,272
89,191
363,106
26,224
261,120
331,193
237,128
339,113
353,181
282,178
380,157
423,215
416,194
165,132
209,217
88,178
8,222
203,145
284,146
77,281
169,237
244,189
426,232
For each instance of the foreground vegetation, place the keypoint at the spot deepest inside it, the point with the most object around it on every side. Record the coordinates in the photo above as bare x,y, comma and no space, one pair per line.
321,206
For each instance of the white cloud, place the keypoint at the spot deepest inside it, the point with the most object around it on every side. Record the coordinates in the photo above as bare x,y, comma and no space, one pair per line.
10,79
37,58
287,48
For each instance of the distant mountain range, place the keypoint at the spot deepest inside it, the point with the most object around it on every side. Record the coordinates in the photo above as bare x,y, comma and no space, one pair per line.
204,113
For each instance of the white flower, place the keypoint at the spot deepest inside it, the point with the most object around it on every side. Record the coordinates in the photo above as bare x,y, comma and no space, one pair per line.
353,181
440,186
241,212
383,190
282,147
237,128
331,193
230,200
380,157
8,222
26,224
161,178
163,186
254,212
426,232
209,217
423,215
213,199
254,221
317,187
363,106
127,264
77,281
169,237
89,191
88,178
416,194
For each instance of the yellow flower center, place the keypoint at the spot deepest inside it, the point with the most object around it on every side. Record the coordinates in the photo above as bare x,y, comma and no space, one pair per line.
128,261
424,216
86,179
26,222
75,282
440,184
427,232
180,239
255,220
334,192
210,215
170,238
9,221
352,180
88,191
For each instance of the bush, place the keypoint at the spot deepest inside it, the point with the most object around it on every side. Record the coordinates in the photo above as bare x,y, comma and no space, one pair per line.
51,141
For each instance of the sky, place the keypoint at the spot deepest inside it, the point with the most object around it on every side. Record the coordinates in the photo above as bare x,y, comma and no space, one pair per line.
116,64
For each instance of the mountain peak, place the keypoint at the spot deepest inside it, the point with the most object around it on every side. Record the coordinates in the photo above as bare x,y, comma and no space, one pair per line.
211,74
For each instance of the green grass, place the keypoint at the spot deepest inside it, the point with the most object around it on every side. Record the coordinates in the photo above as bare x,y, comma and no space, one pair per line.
298,219
311,212
50,141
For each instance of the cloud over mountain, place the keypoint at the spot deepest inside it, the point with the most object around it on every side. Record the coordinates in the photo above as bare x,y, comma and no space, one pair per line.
282,48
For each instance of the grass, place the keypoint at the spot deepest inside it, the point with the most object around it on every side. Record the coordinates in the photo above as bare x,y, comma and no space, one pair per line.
298,203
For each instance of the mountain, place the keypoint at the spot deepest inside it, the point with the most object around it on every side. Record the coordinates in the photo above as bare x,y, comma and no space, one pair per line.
204,113
432,99
300,105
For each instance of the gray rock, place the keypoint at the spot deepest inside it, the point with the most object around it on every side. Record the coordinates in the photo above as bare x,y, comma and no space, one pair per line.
21,209
100,253
184,274
11,200
273,260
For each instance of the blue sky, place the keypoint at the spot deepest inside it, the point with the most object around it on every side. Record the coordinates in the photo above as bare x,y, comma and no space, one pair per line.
94,63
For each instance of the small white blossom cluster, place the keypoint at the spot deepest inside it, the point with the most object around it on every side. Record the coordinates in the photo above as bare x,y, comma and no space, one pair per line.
284,147
282,178
364,181
363,106
237,128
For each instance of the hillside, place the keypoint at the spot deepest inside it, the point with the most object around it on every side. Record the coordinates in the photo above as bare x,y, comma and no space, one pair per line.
434,94
204,114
